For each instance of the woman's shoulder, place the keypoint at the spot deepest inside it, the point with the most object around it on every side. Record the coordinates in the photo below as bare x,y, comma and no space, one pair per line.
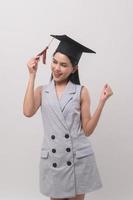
82,88
41,88
84,92
38,89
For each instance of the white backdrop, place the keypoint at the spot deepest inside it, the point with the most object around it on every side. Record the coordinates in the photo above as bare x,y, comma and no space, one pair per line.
106,27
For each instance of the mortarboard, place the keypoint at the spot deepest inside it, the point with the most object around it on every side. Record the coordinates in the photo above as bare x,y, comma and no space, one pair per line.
69,47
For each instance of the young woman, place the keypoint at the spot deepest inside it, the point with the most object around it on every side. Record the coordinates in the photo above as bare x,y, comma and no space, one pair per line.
68,168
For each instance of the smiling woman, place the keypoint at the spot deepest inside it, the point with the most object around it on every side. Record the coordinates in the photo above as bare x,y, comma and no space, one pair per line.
62,67
68,168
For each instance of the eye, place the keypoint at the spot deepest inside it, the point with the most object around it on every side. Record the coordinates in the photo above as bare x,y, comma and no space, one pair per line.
54,61
63,64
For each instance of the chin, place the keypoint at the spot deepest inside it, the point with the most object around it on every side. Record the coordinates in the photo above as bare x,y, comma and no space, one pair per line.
59,80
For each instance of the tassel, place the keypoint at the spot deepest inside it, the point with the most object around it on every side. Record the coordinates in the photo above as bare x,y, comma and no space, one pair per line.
44,56
44,52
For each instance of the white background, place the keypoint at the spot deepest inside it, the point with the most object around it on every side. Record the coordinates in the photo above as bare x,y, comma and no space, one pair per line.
106,27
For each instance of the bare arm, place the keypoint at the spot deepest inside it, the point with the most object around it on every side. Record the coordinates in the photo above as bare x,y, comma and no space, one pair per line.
32,98
89,122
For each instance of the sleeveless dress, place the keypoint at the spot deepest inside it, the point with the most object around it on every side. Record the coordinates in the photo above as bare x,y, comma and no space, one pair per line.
67,162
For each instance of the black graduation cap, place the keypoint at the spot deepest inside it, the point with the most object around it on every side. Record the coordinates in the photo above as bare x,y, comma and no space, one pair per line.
70,47
67,46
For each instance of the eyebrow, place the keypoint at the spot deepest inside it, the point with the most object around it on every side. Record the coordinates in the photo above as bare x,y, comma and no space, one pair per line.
61,62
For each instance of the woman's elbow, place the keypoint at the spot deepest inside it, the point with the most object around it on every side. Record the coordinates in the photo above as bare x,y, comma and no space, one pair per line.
28,114
88,132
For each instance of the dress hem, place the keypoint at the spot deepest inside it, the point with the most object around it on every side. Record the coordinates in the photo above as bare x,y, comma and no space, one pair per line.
77,193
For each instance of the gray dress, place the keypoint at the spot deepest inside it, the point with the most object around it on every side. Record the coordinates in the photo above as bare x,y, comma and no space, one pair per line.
67,162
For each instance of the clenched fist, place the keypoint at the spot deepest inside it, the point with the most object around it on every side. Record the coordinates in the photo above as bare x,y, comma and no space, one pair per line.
106,93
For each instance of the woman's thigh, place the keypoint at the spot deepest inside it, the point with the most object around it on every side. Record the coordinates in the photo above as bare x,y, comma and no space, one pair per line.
78,197
58,198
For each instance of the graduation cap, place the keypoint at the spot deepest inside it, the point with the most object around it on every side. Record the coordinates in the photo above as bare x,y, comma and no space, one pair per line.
69,47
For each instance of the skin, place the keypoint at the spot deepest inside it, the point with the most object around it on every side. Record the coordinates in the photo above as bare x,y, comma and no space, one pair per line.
61,68
77,197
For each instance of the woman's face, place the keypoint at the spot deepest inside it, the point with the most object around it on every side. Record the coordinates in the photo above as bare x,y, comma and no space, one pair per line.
61,67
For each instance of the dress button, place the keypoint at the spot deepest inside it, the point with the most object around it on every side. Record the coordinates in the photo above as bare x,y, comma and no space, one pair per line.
66,135
53,150
69,163
54,164
68,149
53,137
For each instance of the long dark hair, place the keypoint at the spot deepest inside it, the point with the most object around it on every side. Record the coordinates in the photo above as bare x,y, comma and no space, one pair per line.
74,77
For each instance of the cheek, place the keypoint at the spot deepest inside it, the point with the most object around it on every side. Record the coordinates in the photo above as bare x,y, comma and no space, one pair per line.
68,70
52,66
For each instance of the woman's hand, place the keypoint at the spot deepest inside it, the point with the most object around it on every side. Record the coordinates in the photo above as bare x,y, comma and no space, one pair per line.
33,64
106,93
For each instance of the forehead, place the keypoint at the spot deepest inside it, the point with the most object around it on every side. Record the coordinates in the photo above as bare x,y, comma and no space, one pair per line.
61,57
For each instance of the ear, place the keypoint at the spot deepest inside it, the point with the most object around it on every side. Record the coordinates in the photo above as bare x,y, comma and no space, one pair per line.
75,68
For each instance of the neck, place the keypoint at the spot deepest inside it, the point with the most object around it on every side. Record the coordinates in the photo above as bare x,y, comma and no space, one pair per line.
62,83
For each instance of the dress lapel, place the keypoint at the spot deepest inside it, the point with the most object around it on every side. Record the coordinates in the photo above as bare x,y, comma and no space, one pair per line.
54,103
67,95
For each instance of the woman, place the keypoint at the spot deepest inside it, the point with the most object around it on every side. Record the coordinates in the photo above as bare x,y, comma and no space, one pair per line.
68,168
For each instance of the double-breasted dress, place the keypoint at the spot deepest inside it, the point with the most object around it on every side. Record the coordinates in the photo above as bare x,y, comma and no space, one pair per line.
67,162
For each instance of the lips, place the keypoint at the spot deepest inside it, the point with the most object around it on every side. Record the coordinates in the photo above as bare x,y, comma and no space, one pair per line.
57,75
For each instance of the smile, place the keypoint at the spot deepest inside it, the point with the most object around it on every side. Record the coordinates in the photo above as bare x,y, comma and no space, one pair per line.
57,75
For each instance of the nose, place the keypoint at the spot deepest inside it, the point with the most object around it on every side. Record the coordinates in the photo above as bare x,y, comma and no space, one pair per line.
57,67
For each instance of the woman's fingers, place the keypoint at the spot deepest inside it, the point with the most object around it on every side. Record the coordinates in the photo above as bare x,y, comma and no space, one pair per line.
106,93
37,58
109,90
33,64
105,87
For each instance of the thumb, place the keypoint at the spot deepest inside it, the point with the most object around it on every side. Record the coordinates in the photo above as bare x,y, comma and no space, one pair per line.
105,86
